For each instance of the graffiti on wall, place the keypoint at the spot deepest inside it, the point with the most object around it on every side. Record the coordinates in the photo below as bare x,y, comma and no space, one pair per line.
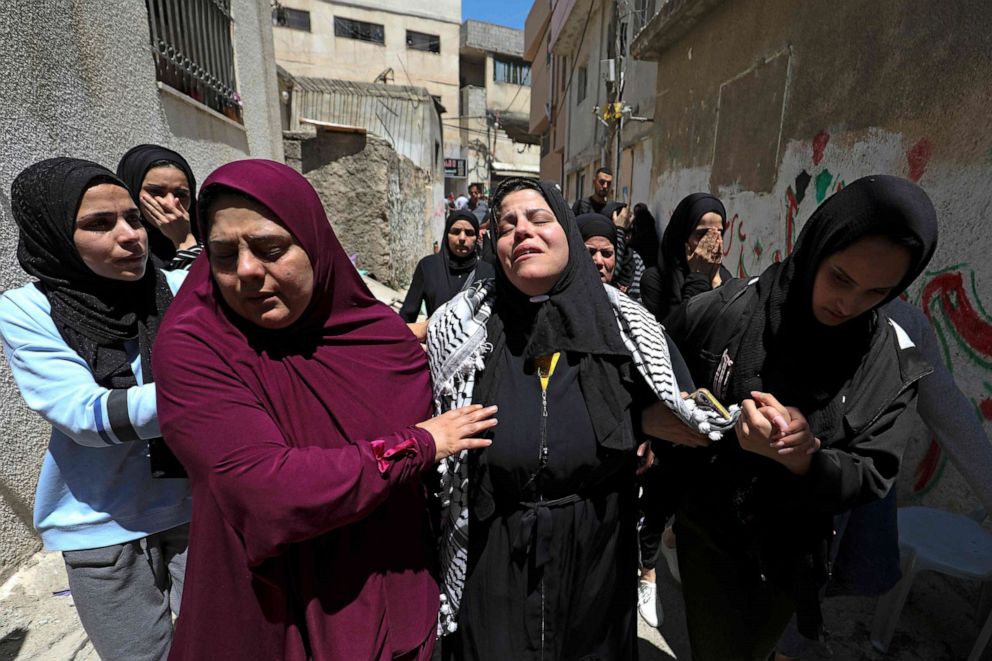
964,329
949,297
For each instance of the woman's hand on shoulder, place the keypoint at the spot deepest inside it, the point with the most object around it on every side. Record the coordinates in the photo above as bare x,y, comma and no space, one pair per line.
419,330
457,430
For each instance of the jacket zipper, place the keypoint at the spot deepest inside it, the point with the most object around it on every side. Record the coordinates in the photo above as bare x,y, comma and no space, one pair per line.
541,463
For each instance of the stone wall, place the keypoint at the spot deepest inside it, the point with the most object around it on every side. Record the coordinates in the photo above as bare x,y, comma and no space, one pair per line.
379,203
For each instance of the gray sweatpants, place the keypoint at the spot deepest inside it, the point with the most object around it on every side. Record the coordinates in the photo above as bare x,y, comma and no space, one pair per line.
126,594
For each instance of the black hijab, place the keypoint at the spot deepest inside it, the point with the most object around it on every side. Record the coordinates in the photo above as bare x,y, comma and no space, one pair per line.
688,213
132,169
94,315
644,235
784,350
596,224
575,316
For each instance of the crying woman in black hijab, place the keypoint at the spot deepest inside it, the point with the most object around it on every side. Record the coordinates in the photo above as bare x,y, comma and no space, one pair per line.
440,276
163,187
690,256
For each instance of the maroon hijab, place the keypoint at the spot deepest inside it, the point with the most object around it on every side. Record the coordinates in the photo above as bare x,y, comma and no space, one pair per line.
308,510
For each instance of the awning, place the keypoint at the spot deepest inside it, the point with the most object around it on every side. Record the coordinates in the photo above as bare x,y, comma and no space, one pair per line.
515,169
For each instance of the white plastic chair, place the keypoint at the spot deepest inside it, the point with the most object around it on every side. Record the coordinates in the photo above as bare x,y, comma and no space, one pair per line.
934,540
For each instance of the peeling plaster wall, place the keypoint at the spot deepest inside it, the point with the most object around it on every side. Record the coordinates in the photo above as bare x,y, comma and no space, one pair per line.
379,203
78,79
818,94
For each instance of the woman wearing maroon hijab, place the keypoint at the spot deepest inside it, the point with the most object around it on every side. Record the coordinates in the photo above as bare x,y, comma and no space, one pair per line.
292,397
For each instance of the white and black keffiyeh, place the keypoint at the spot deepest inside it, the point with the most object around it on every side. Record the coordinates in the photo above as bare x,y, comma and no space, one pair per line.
457,349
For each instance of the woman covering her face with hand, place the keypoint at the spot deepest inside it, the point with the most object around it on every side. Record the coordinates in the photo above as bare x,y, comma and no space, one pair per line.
690,257
815,364
299,404
164,189
539,552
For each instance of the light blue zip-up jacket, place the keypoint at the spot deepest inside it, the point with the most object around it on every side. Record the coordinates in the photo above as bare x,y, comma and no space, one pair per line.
95,487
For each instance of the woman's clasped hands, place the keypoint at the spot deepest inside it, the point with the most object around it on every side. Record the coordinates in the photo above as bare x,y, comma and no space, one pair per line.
780,433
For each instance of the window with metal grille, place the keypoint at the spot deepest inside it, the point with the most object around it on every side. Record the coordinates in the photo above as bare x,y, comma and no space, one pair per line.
295,19
509,71
191,44
430,43
582,76
352,29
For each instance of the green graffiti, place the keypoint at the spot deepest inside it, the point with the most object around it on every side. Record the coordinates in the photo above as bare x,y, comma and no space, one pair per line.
823,181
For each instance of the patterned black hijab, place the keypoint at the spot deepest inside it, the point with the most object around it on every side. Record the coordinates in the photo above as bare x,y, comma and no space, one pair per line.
132,169
95,315
575,316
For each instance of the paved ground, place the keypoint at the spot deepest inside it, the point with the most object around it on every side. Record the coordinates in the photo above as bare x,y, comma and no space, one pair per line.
38,621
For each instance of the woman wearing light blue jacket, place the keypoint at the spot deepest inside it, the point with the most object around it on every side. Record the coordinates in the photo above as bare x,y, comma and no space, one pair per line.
78,341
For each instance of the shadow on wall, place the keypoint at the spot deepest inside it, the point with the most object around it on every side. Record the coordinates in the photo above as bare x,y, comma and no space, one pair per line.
11,644
315,154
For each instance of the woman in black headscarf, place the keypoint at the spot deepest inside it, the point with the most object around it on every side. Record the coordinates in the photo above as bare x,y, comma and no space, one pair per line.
78,340
644,235
600,236
164,188
456,266
690,257
756,520
539,551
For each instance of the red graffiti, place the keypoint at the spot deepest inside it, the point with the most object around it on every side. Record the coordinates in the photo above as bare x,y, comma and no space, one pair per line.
949,289
927,467
777,256
918,157
820,141
741,273
790,218
985,406
730,231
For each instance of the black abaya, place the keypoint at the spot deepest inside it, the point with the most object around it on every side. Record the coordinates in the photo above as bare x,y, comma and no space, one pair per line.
551,582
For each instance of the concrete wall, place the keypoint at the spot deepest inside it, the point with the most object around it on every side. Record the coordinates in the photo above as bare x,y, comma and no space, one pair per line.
78,79
320,54
818,94
392,229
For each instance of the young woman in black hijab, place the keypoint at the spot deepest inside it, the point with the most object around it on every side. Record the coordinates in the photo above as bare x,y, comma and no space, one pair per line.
539,552
456,266
690,257
756,520
79,340
164,188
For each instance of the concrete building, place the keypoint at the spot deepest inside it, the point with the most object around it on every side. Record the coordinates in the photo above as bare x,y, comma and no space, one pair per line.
773,105
494,111
413,43
406,118
578,50
92,80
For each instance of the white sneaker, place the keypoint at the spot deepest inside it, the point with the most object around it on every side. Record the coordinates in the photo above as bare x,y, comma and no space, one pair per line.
647,602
